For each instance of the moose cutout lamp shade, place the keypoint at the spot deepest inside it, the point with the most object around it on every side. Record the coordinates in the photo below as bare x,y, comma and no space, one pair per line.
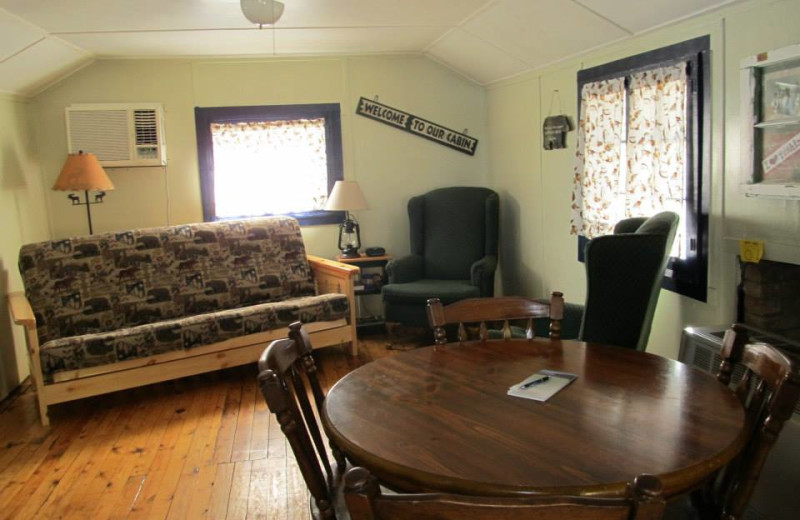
83,172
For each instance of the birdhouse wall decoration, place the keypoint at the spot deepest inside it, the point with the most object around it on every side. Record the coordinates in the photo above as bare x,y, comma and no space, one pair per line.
555,132
555,127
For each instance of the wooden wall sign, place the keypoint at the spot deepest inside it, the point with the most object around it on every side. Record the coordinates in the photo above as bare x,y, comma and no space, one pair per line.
417,126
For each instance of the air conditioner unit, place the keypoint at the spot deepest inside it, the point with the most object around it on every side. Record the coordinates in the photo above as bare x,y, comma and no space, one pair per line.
120,135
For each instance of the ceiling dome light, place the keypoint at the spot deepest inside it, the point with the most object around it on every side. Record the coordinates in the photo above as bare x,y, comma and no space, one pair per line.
262,12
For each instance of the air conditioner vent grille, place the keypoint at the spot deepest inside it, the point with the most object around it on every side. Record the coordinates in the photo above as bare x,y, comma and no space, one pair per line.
704,359
121,135
146,127
104,134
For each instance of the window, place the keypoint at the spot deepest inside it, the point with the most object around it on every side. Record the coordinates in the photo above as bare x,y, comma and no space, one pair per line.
643,148
269,160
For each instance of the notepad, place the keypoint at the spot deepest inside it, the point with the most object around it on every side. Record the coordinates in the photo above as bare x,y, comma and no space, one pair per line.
544,390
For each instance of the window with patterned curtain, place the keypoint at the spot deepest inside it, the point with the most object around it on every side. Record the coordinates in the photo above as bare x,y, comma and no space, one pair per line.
598,195
641,150
270,160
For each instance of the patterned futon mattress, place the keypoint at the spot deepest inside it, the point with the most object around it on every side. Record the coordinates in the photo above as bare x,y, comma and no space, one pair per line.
116,296
185,333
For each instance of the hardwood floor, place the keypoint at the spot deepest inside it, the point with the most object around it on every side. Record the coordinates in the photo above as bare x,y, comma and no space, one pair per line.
200,447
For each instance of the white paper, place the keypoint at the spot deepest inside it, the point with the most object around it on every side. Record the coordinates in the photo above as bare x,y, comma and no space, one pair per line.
542,391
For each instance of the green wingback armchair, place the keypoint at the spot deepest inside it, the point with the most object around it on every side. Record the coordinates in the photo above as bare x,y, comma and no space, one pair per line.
623,281
453,253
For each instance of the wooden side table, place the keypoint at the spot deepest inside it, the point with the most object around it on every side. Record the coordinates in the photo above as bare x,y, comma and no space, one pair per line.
369,284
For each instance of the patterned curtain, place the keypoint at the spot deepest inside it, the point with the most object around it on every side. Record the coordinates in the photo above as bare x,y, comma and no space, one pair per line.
597,182
269,167
657,144
619,176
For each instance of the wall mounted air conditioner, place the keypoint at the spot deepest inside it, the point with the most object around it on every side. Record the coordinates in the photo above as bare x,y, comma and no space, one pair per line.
120,135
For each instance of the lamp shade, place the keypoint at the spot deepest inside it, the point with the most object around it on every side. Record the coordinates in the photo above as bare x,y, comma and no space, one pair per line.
262,12
82,171
346,196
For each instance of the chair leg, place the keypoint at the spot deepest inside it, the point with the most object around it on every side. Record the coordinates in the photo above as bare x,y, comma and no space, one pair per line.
391,326
338,456
43,413
325,509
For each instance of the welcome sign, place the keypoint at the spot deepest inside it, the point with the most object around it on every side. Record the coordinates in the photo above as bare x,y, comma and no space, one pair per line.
417,126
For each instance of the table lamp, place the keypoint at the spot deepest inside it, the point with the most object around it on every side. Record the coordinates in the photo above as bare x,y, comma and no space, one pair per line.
346,196
82,171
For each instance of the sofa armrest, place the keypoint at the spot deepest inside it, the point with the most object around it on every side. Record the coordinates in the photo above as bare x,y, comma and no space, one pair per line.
332,276
21,311
337,277
405,269
482,274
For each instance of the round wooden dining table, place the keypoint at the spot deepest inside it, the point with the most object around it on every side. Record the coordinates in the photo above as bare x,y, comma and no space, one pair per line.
439,419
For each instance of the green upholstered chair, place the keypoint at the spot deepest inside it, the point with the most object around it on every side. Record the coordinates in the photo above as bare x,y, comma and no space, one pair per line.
453,253
623,280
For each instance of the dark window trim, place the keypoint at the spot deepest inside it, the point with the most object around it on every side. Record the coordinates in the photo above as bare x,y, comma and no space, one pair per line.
689,276
205,116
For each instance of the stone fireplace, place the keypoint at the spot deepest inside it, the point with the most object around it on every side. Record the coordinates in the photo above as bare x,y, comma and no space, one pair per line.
772,297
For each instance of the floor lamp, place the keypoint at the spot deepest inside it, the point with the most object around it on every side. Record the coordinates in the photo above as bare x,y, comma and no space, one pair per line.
82,171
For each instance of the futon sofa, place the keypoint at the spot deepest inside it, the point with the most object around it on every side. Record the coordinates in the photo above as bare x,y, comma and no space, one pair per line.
119,310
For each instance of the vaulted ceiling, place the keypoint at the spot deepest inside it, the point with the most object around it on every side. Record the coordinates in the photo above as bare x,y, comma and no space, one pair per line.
42,41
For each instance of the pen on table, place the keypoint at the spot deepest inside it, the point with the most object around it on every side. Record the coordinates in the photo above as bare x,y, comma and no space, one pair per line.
535,382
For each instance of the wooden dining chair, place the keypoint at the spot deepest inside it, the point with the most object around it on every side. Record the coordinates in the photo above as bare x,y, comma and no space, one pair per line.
487,310
769,389
286,374
365,501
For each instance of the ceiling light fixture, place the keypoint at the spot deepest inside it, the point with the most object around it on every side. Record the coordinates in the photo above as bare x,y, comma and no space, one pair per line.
262,12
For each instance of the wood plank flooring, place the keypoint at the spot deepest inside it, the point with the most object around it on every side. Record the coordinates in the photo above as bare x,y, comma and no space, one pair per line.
199,447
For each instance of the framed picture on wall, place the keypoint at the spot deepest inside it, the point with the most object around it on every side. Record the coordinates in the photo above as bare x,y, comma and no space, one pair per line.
770,83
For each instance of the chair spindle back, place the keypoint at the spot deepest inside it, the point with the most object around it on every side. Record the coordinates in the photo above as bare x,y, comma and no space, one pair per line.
487,310
287,373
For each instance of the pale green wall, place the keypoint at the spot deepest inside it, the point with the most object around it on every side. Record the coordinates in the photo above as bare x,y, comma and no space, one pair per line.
776,221
24,219
535,185
390,165
537,254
